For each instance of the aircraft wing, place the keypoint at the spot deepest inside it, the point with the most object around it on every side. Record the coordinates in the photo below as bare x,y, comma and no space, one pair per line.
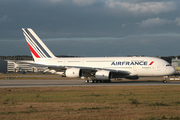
56,67
61,67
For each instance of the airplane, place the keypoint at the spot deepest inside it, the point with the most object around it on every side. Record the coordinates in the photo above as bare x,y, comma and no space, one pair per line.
95,69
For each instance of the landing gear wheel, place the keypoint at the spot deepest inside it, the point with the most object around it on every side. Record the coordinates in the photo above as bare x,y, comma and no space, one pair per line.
91,81
164,81
87,81
165,78
99,81
94,81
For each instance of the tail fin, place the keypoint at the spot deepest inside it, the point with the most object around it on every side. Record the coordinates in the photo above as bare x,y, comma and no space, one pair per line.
37,47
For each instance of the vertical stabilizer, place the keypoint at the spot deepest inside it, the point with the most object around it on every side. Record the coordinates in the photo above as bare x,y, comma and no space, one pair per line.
38,49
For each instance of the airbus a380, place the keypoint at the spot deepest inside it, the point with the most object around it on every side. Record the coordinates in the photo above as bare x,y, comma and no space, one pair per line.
95,69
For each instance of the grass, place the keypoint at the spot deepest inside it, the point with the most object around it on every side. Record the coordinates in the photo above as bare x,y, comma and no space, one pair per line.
117,102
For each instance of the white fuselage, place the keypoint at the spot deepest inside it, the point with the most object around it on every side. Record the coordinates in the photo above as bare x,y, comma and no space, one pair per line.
136,66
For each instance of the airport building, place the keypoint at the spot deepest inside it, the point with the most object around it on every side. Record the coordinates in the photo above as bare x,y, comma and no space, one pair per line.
3,66
176,64
17,67
10,66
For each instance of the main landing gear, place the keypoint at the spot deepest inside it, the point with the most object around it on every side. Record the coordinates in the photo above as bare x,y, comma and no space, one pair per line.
97,81
165,79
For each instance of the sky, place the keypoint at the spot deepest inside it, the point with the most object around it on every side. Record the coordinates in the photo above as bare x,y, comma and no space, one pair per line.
92,27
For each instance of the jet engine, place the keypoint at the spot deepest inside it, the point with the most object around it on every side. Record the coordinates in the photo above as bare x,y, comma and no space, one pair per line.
73,72
103,75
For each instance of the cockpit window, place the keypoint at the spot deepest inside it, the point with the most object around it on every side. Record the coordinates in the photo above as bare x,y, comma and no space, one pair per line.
168,65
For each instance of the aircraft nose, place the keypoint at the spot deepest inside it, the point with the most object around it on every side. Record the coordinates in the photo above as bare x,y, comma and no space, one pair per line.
173,70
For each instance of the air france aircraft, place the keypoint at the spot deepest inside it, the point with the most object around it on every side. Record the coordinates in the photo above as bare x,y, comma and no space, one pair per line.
95,69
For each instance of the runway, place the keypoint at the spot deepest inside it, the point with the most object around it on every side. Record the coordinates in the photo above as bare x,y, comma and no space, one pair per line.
77,82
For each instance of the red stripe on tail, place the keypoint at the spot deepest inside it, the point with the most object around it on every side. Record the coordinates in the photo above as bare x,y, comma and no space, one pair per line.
33,51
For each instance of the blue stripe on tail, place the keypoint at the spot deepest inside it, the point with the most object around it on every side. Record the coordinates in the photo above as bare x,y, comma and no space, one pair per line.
38,44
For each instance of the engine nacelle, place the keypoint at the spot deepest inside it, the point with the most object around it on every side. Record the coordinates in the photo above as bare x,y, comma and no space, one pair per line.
52,71
47,70
103,75
73,72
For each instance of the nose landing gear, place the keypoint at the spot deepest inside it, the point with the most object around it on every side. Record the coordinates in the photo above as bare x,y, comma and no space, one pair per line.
165,79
